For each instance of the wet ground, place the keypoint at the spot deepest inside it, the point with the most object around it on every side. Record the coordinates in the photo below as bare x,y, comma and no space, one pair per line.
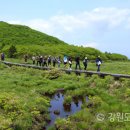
57,109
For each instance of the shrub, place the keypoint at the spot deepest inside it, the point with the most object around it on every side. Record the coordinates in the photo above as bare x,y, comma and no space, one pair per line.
54,74
12,51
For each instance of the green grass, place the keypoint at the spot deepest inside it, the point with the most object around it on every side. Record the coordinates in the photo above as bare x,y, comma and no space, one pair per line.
23,104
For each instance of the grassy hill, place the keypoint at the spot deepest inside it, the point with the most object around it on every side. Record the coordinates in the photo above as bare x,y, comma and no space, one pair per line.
32,42
17,34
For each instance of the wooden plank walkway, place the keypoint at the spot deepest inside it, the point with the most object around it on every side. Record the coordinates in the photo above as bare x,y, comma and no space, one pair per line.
78,72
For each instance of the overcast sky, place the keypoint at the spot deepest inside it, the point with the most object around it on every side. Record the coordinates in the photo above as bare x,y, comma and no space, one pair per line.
102,24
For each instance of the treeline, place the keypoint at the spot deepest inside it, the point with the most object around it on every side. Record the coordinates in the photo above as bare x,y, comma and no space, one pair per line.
17,40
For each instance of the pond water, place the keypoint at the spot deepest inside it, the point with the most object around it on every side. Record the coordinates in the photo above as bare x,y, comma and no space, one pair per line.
57,109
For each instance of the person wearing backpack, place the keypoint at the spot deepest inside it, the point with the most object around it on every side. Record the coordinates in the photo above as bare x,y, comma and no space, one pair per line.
49,61
45,61
41,61
59,61
77,60
33,59
2,56
65,60
70,63
54,61
98,63
38,60
85,63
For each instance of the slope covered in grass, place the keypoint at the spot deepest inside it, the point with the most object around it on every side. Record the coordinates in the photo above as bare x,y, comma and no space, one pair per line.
17,35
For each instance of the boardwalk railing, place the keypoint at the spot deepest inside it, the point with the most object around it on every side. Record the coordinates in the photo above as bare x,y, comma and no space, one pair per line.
78,72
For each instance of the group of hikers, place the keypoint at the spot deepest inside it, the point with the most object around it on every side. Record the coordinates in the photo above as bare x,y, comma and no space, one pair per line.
45,61
48,61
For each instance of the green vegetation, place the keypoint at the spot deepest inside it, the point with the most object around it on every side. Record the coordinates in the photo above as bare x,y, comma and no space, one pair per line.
12,51
25,92
106,96
32,42
24,99
19,35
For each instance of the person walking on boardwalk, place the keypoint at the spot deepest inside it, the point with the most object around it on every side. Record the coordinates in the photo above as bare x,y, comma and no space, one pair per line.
85,63
41,60
45,61
54,61
59,61
70,63
49,60
25,58
77,60
65,60
38,60
98,63
33,59
2,56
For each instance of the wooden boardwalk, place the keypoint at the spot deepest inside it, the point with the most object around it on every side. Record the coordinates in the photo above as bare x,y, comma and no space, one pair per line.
78,72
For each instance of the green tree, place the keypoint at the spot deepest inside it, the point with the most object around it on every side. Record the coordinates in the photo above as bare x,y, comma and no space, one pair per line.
12,51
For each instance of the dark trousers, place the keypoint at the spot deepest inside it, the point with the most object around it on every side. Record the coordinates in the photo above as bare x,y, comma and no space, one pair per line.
25,60
45,63
98,68
70,65
54,64
77,65
38,63
85,66
2,58
49,63
33,62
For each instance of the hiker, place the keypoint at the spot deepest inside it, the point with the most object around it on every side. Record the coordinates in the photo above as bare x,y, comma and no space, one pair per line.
33,59
54,61
85,63
45,61
59,61
41,60
49,60
98,63
2,56
65,60
38,60
70,63
25,58
77,60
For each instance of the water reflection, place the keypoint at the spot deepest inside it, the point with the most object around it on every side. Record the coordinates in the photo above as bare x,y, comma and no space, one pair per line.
57,107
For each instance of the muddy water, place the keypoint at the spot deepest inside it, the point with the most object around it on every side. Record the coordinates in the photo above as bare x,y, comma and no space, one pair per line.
57,105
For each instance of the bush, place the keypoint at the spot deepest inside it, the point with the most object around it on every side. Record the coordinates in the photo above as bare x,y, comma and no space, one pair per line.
54,74
12,51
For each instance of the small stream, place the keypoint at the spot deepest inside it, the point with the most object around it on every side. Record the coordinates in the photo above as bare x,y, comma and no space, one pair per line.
57,109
